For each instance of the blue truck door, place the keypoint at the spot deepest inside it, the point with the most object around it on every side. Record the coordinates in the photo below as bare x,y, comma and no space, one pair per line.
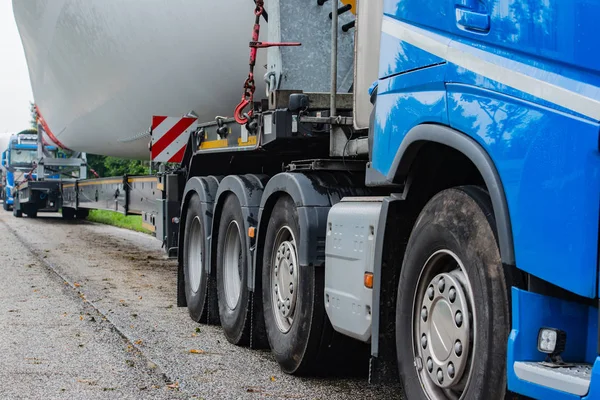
411,80
523,79
399,56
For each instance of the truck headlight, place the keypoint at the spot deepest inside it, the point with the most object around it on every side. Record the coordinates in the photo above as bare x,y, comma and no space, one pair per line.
551,341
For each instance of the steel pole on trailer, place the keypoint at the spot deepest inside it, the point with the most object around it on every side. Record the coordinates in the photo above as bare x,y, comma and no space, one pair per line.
334,60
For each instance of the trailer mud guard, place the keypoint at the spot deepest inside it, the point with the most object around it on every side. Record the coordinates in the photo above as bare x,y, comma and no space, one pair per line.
313,194
312,201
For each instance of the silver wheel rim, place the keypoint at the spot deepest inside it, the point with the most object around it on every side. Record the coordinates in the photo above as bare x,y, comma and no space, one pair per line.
195,255
444,337
232,264
284,278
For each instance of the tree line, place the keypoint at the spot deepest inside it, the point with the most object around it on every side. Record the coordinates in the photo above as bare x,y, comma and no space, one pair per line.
114,166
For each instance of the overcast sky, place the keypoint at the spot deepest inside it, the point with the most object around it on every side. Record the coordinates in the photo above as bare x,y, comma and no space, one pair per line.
15,89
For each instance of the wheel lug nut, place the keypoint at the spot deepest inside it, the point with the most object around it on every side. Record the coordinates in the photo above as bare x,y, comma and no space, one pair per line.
441,285
424,341
452,295
429,364
458,318
424,314
430,292
458,348
291,288
291,270
440,375
451,370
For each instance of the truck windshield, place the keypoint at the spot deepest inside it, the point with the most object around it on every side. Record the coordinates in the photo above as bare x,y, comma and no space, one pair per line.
22,157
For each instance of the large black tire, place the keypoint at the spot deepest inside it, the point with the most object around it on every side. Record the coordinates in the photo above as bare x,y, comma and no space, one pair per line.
32,212
194,259
234,304
68,213
297,349
82,213
454,237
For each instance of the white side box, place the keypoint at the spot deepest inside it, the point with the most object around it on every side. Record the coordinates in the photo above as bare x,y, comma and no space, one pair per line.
349,253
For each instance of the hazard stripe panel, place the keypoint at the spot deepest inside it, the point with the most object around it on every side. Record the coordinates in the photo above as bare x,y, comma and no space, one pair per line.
156,121
170,136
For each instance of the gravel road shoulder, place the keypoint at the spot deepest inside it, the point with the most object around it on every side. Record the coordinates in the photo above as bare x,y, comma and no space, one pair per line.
126,278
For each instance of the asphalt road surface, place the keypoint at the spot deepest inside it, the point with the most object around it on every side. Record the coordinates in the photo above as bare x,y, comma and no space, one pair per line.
89,312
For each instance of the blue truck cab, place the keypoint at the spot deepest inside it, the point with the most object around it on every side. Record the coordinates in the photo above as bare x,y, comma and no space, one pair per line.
8,182
509,91
18,163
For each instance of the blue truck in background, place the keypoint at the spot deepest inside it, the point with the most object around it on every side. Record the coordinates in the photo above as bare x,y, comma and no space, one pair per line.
438,222
20,167
17,163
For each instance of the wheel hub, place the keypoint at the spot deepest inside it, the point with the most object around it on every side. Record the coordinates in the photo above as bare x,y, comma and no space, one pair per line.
195,256
284,279
233,264
441,339
286,273
443,329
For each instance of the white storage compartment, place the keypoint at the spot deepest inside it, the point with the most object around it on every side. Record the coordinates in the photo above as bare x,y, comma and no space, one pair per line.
349,254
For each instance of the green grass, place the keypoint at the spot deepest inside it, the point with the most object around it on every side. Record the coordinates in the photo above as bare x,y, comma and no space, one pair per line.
132,222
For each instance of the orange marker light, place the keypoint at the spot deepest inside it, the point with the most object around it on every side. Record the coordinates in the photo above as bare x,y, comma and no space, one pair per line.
369,280
251,232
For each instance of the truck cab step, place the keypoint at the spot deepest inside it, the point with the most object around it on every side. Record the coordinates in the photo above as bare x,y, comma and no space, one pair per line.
574,379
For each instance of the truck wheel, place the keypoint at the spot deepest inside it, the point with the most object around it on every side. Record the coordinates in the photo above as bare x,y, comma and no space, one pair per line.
292,296
452,312
82,213
193,260
32,212
232,274
68,213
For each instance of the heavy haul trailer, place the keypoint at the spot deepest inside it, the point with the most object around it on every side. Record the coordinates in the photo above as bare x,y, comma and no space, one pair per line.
454,232
129,195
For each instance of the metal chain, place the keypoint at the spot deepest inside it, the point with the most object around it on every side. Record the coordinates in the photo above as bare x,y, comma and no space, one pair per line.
240,116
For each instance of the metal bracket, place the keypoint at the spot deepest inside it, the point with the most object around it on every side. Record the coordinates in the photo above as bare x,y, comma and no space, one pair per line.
339,120
326,165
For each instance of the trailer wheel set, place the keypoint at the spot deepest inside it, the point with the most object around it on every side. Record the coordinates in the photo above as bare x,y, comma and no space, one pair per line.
264,241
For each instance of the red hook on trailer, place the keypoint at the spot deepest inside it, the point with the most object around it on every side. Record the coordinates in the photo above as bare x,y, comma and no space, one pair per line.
249,86
247,99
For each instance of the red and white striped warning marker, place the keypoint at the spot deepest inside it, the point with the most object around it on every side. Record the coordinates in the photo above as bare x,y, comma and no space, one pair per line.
170,136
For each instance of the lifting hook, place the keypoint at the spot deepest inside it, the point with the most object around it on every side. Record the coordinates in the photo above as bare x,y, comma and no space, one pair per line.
249,86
